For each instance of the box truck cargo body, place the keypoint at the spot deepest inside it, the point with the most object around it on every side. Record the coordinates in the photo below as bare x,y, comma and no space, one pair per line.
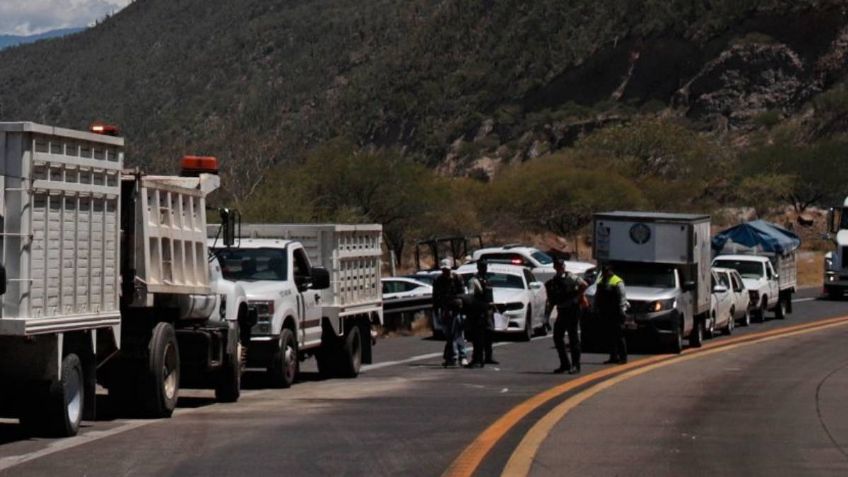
664,260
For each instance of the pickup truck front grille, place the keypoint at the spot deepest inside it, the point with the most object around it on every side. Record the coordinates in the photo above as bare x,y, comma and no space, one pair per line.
638,306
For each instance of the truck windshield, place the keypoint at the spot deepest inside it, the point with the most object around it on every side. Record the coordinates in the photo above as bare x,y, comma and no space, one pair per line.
647,275
253,264
745,268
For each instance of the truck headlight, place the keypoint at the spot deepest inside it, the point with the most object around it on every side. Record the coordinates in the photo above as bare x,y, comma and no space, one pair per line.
264,309
662,305
831,277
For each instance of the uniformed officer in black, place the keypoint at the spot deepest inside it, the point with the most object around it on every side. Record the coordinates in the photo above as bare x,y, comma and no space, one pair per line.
482,322
564,292
611,307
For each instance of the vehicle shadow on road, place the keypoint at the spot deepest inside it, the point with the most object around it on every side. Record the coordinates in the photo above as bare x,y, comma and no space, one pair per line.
257,380
12,432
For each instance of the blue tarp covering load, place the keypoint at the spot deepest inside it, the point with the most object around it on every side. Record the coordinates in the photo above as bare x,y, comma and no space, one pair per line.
760,236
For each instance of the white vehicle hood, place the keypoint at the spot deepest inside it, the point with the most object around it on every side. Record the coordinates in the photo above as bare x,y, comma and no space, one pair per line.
649,293
640,293
263,289
758,284
509,295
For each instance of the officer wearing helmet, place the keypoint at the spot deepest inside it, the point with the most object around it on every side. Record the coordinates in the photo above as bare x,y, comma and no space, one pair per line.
448,290
564,292
480,317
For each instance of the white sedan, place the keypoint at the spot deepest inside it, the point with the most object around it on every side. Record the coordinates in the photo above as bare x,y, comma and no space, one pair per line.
519,298
401,287
740,298
540,263
721,306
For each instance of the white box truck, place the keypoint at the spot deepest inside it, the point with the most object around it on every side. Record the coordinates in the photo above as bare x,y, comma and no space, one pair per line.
108,280
316,291
664,260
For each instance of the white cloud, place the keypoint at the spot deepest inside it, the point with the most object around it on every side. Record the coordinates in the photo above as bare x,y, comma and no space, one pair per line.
28,17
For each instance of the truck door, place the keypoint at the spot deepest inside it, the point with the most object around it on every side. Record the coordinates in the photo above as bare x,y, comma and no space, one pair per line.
309,300
773,287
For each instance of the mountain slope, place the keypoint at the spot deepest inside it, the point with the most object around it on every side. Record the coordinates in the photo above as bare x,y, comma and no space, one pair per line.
258,82
14,40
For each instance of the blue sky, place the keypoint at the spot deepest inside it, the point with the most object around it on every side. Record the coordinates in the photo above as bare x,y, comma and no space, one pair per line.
28,17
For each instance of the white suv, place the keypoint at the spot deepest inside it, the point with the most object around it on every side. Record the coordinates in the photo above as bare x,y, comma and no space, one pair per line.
540,263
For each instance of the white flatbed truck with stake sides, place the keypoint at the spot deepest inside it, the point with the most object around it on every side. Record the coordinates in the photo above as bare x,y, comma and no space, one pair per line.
316,291
108,280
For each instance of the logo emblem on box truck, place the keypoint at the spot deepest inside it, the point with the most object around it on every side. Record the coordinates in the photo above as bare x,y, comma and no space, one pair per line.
640,233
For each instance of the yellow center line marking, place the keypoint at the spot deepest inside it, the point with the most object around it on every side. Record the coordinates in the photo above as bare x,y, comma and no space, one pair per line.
473,455
522,458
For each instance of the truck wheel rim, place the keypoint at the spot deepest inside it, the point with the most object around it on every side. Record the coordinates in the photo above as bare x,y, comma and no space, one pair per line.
73,396
169,372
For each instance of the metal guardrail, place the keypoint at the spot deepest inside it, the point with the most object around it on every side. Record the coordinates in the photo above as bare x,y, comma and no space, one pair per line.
407,305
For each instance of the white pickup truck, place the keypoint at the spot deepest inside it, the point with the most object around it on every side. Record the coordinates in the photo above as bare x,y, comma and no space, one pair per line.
316,291
107,279
765,256
769,289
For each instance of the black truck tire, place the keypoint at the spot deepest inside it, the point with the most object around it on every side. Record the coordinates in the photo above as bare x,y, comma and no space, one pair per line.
350,357
696,336
161,383
57,410
676,343
228,382
780,308
284,365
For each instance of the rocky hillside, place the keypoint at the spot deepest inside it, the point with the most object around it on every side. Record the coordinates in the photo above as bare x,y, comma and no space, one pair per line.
459,84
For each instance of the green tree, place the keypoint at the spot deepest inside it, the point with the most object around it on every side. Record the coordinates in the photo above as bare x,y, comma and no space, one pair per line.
337,182
675,166
551,195
820,170
765,192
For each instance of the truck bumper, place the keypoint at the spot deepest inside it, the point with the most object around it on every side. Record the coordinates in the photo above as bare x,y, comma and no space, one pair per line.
662,323
835,285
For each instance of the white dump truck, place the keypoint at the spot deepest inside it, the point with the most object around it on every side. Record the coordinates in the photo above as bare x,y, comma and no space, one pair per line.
664,260
316,291
107,280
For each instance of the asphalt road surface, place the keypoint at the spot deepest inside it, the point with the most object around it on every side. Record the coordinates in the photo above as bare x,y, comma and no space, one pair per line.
770,407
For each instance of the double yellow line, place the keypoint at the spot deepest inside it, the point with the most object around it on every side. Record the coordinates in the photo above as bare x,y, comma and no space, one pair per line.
521,460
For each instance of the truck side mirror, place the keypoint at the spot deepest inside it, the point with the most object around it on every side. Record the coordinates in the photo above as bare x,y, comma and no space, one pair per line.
230,221
320,278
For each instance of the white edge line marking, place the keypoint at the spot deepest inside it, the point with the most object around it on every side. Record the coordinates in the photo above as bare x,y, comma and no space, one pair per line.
422,357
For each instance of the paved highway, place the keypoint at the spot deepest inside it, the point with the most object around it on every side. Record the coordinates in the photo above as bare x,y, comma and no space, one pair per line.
746,407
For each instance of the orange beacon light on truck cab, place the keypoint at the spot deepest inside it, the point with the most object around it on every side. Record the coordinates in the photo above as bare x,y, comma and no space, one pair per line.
105,129
195,165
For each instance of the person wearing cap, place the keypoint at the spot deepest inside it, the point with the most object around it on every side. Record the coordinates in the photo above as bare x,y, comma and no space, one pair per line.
480,317
611,305
564,292
447,302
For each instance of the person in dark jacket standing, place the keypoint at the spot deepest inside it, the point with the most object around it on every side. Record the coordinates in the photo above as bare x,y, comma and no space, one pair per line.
480,317
447,302
611,305
564,291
